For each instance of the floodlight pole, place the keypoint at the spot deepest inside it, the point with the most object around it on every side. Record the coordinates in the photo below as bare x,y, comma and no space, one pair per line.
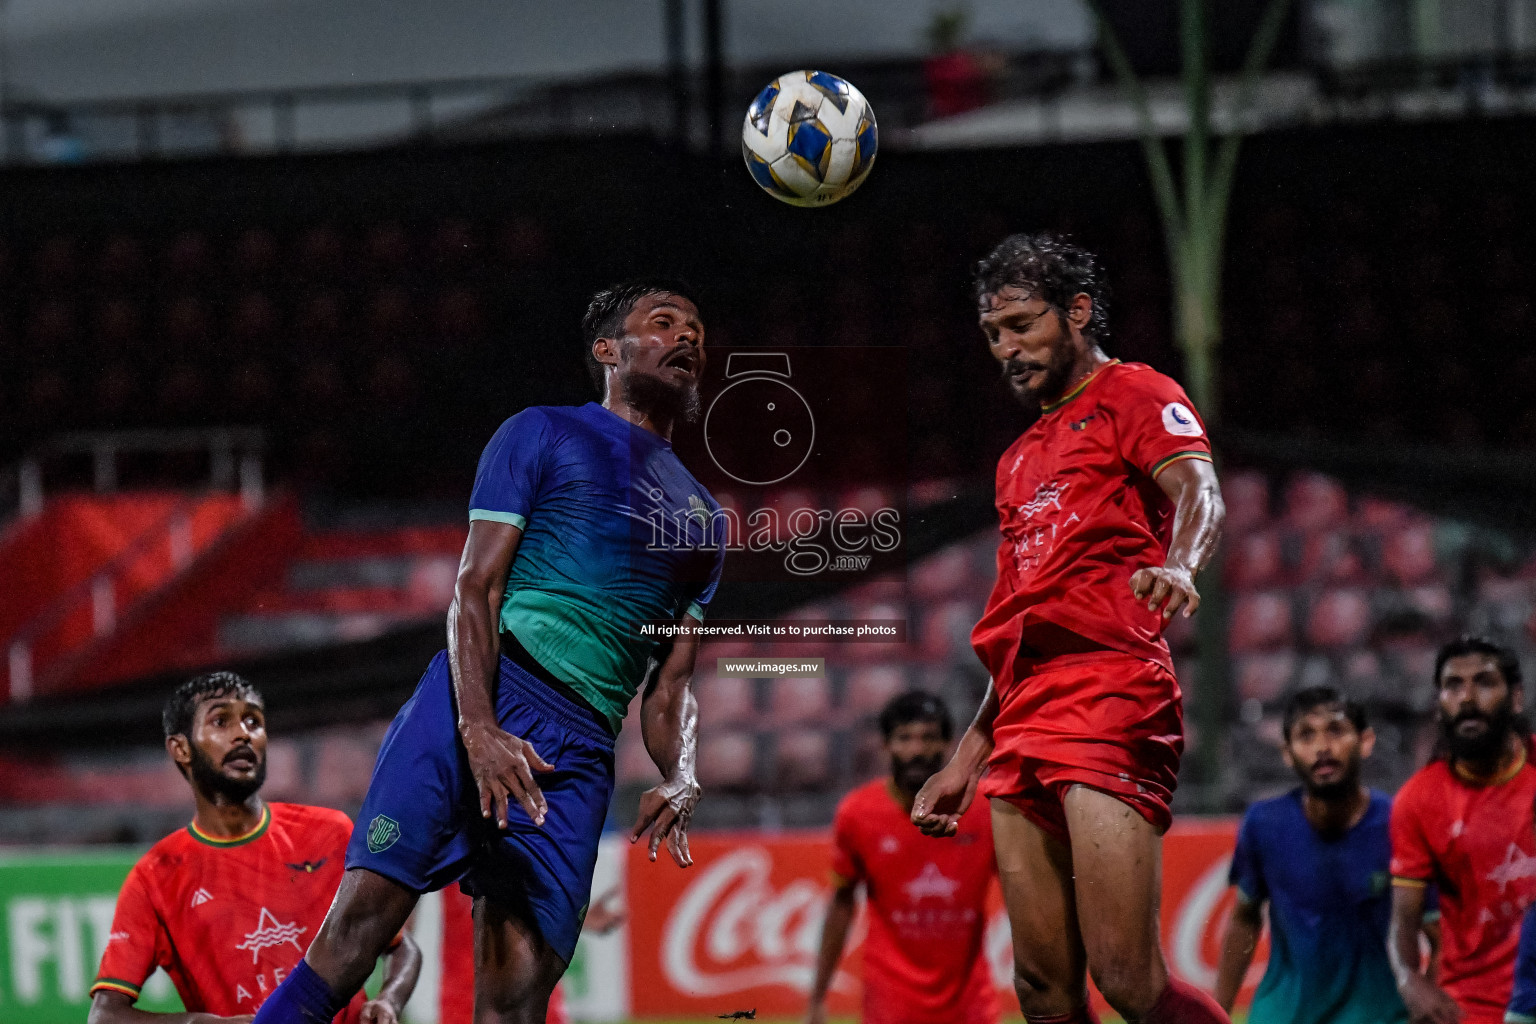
1194,216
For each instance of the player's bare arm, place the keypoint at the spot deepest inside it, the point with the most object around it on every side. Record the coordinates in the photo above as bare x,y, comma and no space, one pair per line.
669,724
1426,1003
947,796
117,1008
402,966
834,936
1238,942
1198,515
502,764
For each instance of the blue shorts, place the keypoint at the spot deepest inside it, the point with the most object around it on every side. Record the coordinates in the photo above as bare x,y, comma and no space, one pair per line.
420,824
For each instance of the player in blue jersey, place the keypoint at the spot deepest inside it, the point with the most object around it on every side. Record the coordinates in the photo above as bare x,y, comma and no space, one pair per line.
1319,856
499,769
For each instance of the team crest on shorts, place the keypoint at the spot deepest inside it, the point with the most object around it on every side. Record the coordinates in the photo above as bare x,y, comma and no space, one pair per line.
382,833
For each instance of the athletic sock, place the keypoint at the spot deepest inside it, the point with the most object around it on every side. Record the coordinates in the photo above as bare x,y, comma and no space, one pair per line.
1082,1015
302,998
1182,1003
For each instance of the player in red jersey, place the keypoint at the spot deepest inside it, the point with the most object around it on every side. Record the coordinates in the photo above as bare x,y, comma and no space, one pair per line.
1464,822
1109,507
229,904
923,958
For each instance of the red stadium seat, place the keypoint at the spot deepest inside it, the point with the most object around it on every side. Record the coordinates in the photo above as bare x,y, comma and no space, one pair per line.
322,317
285,771
342,768
726,700
800,699
254,252
945,629
121,260
117,327
321,251
1247,498
1260,621
459,316
1315,502
1339,618
869,757
185,324
389,314
802,760
188,257
55,262
868,499
51,324
453,243
1264,677
1379,515
522,241
728,761
871,687
1254,560
1408,553
387,248
633,764
253,320
431,582
944,573
1329,557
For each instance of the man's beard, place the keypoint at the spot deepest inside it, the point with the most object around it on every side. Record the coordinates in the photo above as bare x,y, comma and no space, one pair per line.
209,780
913,772
661,399
1058,374
1486,746
1345,786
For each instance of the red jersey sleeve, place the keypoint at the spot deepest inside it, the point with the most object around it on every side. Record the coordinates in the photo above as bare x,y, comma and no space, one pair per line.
1413,862
847,864
138,943
1155,423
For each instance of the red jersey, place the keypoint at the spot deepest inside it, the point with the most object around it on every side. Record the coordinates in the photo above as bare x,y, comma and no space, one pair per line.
1475,843
924,957
1081,511
228,918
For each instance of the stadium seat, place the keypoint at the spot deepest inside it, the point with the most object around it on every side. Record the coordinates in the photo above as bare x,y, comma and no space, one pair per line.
1339,618
726,700
865,652
185,324
253,320
431,582
389,315
1254,560
453,243
1264,677
321,252
285,770
728,761
1260,621
945,573
1315,502
802,760
51,324
522,241
794,699
632,762
188,257
1246,494
1329,556
944,630
872,686
54,264
1379,515
322,318
120,261
869,756
254,252
387,248
459,316
117,327
1408,553
343,765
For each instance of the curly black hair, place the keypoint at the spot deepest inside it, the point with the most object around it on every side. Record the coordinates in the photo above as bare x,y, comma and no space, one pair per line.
1314,697
1050,266
608,308
177,715
915,706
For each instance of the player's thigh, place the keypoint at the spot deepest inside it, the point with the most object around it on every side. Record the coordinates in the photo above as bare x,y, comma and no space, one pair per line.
367,913
1036,875
1117,859
515,969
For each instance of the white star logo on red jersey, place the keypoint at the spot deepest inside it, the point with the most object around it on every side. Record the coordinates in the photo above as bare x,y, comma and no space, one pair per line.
269,933
1517,865
200,897
931,883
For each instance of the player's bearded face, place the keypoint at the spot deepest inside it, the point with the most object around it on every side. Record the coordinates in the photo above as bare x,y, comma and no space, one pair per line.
1473,734
1035,380
658,392
917,752
239,772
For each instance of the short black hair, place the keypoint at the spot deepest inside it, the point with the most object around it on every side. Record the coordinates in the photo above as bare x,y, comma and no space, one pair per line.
1314,697
1050,266
182,705
608,308
1503,657
915,706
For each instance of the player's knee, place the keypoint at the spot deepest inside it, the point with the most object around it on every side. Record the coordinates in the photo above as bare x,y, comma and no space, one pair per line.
513,1004
1036,983
1130,984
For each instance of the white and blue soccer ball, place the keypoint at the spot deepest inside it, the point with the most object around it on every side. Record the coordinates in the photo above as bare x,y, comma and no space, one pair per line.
809,138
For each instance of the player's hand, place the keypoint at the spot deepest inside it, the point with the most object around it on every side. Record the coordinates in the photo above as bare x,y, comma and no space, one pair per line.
1426,1003
503,767
1170,584
666,811
378,1011
605,914
943,799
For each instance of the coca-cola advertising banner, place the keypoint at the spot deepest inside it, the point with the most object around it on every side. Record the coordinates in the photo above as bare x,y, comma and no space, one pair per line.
739,930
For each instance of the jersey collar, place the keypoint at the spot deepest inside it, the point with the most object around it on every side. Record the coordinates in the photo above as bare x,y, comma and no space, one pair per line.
1496,780
1064,399
250,837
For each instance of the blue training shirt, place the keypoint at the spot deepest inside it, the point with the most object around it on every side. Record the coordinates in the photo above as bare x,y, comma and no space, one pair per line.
616,534
1522,1001
1330,903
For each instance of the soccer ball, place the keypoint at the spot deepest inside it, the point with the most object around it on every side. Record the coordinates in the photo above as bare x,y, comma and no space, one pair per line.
809,138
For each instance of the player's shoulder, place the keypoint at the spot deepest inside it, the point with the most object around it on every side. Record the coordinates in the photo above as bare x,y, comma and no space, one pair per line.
1276,812
1132,381
167,857
308,818
862,800
1425,788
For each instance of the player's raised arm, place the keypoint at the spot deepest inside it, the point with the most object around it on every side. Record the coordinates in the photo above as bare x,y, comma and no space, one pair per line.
945,797
669,724
1198,515
502,764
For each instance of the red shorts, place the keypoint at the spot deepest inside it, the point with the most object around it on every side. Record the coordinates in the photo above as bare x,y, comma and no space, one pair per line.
1105,720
